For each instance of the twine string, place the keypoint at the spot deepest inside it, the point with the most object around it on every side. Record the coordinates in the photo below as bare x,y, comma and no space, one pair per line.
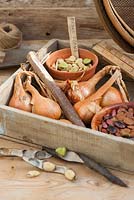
10,36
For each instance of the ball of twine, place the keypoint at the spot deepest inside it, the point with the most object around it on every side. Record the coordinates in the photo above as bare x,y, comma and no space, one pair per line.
10,36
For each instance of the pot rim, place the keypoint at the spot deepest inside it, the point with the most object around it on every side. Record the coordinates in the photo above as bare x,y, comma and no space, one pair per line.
96,60
98,116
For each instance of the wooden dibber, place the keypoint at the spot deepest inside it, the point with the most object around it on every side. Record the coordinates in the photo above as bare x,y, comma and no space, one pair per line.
66,106
73,36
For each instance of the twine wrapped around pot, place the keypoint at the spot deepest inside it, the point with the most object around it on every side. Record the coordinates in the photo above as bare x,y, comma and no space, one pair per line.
10,36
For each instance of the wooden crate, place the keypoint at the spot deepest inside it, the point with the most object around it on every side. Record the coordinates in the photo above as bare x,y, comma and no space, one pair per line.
109,150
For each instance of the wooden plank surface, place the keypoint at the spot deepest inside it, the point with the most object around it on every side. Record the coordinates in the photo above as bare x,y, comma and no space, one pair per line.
52,22
46,19
46,3
15,185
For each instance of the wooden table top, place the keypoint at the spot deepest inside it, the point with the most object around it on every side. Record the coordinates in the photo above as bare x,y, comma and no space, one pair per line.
15,185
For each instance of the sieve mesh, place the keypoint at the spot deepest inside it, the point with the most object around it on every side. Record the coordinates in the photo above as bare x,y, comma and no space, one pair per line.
125,9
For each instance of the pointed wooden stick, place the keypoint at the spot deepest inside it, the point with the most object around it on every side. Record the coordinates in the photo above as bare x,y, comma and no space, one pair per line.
65,104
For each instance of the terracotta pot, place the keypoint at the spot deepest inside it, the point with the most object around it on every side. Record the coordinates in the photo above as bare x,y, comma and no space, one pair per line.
63,75
97,119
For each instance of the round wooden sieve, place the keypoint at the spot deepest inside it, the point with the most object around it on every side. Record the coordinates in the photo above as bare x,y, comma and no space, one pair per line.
117,21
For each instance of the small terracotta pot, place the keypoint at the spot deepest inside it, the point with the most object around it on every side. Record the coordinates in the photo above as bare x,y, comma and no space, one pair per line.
97,119
63,75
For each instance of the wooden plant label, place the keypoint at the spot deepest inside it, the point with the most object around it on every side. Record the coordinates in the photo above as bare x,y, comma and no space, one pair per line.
73,36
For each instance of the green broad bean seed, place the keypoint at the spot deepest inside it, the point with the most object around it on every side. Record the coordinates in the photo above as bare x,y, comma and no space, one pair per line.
63,66
61,151
85,67
69,67
72,64
74,68
79,62
87,61
71,59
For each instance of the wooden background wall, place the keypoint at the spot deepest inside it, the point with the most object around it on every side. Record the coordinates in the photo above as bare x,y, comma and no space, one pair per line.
45,19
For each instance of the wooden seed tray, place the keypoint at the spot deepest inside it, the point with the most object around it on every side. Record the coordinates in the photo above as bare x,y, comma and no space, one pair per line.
109,150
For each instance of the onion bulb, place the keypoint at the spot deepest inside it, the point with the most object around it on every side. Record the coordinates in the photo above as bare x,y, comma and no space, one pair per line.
42,105
91,105
20,98
80,90
112,96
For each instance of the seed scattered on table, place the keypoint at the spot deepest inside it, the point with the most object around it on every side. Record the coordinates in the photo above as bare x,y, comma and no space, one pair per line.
33,173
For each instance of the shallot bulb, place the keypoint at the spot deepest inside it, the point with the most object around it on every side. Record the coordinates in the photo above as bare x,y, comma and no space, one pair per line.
80,90
112,96
20,98
91,105
42,105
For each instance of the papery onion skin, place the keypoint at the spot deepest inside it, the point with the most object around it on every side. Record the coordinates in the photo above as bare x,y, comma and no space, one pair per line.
20,99
91,105
46,107
112,96
22,102
86,109
81,90
42,105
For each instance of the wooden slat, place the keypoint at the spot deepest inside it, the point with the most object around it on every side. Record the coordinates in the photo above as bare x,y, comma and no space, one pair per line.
5,74
43,131
46,23
59,3
6,88
115,57
47,3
